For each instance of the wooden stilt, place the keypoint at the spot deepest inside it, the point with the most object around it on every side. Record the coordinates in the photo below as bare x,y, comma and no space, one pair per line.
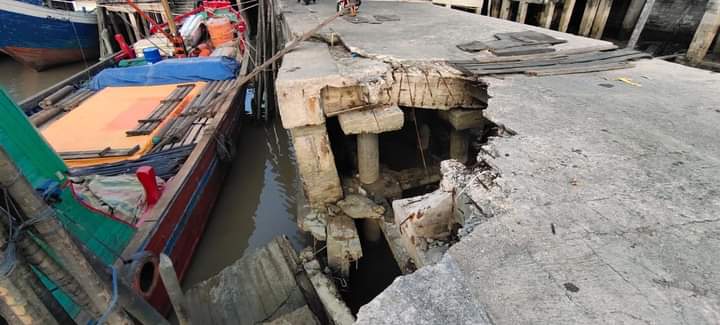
705,33
591,8
601,18
505,9
495,8
631,16
547,15
479,8
128,28
522,12
172,286
135,26
640,26
566,15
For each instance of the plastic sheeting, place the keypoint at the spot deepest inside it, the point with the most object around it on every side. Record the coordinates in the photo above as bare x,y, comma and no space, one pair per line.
169,71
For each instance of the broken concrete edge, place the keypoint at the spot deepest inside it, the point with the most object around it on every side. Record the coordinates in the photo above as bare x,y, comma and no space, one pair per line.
312,84
335,307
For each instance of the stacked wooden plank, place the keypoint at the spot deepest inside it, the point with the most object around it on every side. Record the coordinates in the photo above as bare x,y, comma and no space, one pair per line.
557,63
63,100
187,128
148,124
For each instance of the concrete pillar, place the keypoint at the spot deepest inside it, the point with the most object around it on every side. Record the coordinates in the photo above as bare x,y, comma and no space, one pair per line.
368,157
459,145
371,230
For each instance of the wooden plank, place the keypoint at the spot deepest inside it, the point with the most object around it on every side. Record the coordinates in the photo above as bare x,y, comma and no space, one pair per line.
705,33
601,18
547,15
591,8
523,50
505,9
640,26
107,152
522,12
579,68
566,15
135,26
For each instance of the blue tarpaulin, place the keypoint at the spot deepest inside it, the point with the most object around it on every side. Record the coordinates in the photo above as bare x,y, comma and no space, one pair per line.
169,71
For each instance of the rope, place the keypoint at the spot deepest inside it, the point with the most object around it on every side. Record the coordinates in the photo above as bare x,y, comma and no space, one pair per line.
82,52
113,301
9,260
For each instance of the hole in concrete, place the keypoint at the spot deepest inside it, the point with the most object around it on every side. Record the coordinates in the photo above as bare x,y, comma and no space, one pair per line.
375,271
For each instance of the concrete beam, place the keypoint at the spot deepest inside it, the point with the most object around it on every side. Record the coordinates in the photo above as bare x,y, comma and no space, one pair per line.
463,119
316,164
378,120
300,81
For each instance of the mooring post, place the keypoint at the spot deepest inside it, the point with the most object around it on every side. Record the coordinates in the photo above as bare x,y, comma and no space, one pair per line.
705,33
174,291
368,157
54,234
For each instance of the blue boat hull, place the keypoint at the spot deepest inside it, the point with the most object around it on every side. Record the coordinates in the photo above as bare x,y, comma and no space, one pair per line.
41,37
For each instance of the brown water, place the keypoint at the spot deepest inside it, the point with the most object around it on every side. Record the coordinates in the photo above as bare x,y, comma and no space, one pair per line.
257,203
22,82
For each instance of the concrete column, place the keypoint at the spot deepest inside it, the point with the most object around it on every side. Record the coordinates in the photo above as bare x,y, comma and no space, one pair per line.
458,145
368,157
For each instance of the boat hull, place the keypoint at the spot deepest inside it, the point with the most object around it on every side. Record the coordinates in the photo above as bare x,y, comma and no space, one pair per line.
40,37
186,216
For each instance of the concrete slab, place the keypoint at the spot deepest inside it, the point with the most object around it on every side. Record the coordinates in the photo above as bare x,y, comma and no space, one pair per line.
604,210
425,32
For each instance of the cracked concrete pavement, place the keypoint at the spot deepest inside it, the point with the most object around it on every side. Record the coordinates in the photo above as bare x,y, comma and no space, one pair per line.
606,207
605,211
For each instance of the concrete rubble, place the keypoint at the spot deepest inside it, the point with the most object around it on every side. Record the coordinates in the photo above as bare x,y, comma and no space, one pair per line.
594,203
343,243
360,207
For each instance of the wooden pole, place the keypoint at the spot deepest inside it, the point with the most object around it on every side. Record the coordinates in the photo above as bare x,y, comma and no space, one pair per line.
135,26
55,235
547,15
566,15
598,27
522,12
591,8
705,33
505,9
168,14
172,286
640,26
631,16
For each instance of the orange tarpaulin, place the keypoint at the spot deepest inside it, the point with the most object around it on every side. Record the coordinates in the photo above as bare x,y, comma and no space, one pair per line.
102,120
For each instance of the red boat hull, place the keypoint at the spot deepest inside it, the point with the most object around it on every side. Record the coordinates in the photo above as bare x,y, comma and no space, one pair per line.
185,219
41,59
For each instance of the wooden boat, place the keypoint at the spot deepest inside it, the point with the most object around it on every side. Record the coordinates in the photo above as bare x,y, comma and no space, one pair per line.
172,225
42,37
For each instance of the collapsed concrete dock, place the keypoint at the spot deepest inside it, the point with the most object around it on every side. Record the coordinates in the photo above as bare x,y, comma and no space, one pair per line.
568,199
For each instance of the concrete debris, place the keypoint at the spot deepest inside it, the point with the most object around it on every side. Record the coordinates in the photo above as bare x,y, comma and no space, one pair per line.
360,207
343,243
328,294
425,216
315,223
